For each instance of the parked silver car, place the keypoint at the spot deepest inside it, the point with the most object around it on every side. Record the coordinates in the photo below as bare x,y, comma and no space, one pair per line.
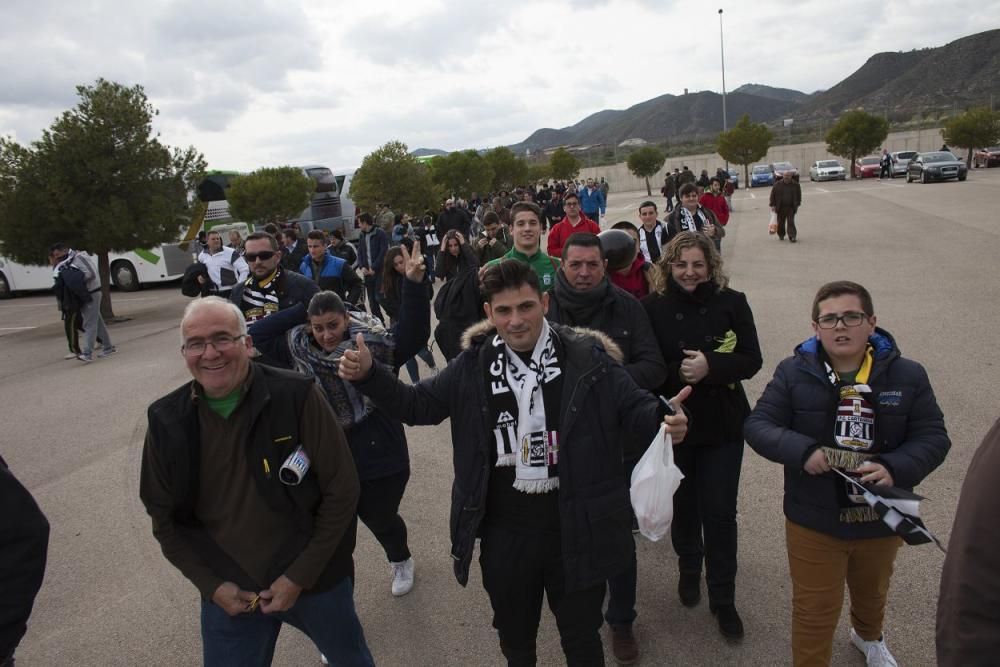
900,160
827,170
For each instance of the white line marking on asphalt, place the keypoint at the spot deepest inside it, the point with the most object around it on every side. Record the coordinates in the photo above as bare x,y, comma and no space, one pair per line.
822,190
16,328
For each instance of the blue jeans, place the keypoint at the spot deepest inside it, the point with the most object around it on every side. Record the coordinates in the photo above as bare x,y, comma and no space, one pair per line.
411,364
248,640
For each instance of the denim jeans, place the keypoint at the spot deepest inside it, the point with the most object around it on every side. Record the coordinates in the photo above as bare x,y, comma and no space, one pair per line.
248,640
411,364
93,325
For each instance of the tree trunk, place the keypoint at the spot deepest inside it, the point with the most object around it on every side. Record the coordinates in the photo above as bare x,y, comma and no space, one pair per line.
649,191
968,160
851,167
104,271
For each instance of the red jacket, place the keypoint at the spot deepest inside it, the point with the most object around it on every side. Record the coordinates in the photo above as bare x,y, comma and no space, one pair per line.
717,205
564,229
633,282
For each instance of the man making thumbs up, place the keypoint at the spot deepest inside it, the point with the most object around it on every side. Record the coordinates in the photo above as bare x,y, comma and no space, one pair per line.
538,465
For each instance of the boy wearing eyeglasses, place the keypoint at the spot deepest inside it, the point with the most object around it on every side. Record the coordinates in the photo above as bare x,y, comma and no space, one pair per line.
846,399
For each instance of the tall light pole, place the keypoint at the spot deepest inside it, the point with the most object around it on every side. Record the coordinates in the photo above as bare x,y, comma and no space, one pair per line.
722,52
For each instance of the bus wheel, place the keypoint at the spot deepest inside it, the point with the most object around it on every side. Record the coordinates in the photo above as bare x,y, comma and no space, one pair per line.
124,276
5,292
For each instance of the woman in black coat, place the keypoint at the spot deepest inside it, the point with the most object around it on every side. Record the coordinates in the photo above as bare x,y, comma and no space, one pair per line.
708,339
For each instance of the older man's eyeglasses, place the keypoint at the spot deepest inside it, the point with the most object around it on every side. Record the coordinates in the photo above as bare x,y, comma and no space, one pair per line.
849,319
197,346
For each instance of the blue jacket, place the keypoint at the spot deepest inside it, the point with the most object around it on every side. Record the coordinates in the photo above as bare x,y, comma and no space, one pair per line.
335,275
379,246
797,412
592,202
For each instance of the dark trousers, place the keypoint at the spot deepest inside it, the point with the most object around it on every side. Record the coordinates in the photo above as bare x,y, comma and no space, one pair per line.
704,526
885,171
670,203
378,508
373,284
71,327
622,587
786,222
517,570
594,215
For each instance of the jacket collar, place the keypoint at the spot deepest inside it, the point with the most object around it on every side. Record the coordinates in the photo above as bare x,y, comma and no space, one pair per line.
882,342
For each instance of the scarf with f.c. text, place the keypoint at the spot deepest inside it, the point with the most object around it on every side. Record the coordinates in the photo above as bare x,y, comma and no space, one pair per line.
524,410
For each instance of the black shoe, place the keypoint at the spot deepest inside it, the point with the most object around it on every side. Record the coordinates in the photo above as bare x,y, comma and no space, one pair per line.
689,589
781,238
791,240
623,645
730,623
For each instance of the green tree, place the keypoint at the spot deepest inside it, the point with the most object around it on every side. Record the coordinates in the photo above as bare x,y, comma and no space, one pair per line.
271,194
856,133
461,173
645,162
509,171
746,143
976,128
539,172
99,180
565,165
391,175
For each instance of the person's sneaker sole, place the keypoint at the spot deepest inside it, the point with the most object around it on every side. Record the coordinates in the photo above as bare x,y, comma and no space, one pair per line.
107,353
85,359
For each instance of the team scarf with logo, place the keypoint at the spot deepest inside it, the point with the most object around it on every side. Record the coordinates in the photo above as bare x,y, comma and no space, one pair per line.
854,439
524,410
651,251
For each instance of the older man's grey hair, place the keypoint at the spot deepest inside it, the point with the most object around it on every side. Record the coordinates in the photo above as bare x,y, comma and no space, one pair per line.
213,303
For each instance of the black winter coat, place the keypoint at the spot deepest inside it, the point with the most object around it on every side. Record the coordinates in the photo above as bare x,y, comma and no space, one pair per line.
700,321
599,399
797,412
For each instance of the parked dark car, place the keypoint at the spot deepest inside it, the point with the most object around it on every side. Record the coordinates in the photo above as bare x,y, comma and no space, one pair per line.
935,166
987,157
781,167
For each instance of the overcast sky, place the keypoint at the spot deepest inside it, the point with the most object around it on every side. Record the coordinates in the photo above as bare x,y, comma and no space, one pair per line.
255,83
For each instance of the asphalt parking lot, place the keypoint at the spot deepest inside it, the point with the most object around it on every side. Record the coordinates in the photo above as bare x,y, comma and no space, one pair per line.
73,435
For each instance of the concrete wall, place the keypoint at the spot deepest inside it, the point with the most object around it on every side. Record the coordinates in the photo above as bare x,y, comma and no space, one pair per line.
800,155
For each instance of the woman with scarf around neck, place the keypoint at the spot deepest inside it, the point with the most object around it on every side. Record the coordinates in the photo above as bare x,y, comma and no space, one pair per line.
393,275
312,341
691,216
709,341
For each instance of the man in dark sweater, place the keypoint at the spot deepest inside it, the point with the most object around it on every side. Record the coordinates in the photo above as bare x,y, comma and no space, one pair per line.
252,491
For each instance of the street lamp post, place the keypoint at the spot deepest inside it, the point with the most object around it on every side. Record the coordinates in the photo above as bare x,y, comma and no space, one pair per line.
722,52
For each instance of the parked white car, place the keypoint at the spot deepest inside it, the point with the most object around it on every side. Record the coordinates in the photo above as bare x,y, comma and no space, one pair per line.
827,170
900,161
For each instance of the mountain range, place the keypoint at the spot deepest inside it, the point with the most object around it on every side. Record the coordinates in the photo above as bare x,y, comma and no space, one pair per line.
900,85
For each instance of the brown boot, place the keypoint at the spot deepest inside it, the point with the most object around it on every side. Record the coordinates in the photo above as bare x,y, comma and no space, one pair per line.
623,645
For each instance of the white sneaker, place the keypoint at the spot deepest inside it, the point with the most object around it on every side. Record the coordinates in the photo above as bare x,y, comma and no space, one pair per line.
70,355
876,653
402,577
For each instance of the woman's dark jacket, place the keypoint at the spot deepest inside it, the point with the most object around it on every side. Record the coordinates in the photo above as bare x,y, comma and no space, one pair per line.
599,401
796,414
458,304
378,443
700,321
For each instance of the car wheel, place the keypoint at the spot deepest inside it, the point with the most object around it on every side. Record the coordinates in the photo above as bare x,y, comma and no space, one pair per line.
5,291
923,177
124,276
962,178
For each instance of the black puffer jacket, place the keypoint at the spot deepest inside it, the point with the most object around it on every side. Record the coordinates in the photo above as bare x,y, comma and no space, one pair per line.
700,321
599,400
797,412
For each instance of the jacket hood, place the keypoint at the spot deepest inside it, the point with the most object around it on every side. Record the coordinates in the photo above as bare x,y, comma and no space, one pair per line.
475,334
882,341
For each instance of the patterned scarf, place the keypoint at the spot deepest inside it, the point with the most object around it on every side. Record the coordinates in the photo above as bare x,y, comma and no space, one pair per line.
349,405
524,408
853,437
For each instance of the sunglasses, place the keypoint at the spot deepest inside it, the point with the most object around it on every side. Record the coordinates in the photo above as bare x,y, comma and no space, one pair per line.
252,257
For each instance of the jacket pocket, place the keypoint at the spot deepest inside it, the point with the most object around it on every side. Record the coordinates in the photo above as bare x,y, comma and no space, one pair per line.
609,524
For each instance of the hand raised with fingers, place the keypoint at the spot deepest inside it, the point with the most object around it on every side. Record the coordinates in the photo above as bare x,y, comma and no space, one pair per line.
413,263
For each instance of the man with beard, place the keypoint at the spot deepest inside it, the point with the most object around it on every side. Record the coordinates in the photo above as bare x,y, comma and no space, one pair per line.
584,297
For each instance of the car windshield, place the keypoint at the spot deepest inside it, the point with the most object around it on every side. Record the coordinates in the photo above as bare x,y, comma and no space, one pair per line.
905,155
870,160
761,169
828,163
939,157
783,165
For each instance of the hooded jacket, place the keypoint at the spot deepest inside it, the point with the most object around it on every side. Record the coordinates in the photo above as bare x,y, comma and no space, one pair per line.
599,400
797,412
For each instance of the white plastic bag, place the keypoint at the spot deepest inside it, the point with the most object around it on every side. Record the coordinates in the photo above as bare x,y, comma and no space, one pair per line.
772,223
654,481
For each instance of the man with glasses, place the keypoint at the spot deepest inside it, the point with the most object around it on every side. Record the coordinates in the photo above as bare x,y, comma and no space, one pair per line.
573,223
846,401
252,492
270,287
